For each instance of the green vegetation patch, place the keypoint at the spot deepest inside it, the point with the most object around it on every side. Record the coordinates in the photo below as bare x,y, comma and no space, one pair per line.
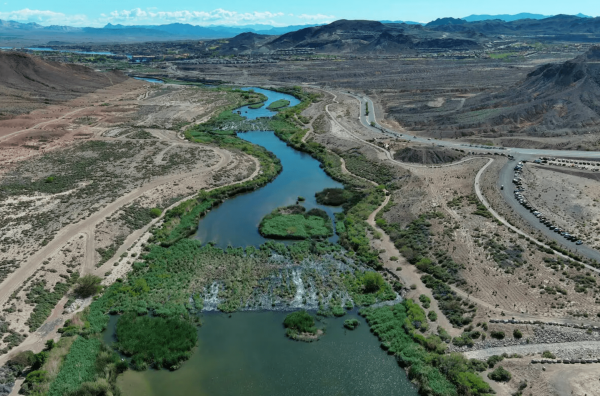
300,325
335,197
45,300
293,222
398,328
161,342
279,104
368,287
256,106
500,375
351,324
78,367
361,166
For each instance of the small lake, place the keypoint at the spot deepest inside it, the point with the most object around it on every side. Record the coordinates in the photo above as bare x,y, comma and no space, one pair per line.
249,354
235,222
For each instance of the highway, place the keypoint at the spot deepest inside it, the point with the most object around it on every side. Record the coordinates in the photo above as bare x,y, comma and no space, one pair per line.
506,173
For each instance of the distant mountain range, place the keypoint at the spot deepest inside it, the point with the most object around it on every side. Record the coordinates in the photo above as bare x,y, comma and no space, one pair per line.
579,27
567,27
18,34
214,31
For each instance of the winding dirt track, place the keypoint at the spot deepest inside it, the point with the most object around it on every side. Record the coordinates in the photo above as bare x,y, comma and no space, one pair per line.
15,279
43,123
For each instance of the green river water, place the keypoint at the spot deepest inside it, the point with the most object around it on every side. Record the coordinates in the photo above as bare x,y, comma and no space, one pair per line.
249,354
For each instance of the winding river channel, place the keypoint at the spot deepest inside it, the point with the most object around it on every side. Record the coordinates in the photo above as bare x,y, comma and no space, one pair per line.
247,353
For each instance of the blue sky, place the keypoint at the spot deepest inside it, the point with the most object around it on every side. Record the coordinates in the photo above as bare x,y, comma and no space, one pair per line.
278,13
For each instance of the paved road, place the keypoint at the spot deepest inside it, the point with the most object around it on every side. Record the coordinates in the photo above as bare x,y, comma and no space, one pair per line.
506,174
505,178
529,153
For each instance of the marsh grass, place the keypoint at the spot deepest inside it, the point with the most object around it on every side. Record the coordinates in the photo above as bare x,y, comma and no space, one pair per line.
279,104
160,342
294,223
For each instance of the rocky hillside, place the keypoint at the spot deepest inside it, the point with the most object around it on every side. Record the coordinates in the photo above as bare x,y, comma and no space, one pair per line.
345,36
553,97
552,100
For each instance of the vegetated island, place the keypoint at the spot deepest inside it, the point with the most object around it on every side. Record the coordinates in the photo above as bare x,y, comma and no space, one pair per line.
279,104
334,196
293,222
256,105
351,324
300,326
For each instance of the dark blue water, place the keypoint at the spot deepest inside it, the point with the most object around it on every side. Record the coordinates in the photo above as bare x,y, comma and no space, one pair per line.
236,221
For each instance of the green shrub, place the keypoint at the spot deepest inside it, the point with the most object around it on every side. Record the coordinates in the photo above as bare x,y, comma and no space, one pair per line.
88,285
372,282
499,335
22,360
548,355
162,342
351,324
432,316
492,360
36,377
338,311
463,340
500,375
300,321
155,212
443,334
334,197
517,334
425,301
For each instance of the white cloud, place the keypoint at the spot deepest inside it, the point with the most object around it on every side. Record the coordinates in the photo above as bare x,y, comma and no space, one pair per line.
152,16
317,17
44,17
220,16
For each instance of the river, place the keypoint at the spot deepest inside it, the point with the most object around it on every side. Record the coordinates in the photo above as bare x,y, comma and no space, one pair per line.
236,221
247,353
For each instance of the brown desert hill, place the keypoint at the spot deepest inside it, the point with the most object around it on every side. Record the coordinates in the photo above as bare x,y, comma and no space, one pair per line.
553,97
28,82
244,43
348,36
427,155
550,101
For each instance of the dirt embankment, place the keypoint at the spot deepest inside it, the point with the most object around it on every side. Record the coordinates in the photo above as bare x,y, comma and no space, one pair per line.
427,155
